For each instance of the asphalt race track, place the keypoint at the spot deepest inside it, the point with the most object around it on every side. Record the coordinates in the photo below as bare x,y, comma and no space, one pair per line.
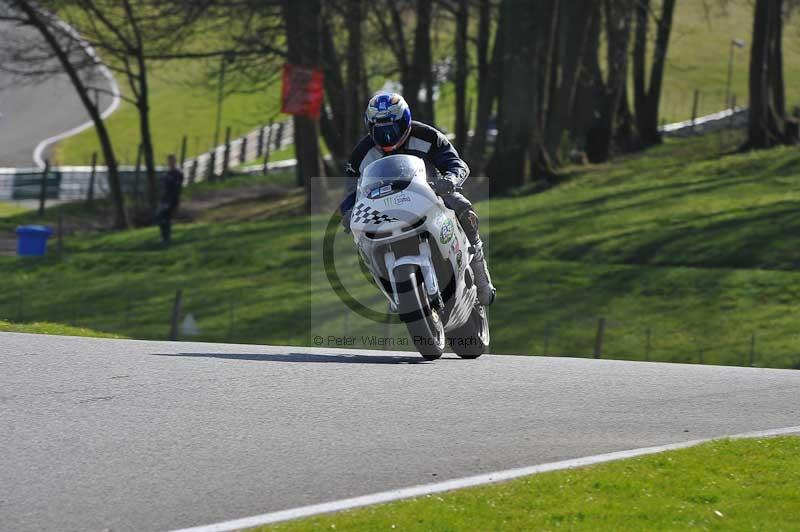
33,110
133,435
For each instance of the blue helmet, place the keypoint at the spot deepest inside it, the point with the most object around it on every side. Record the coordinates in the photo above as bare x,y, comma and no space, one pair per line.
388,120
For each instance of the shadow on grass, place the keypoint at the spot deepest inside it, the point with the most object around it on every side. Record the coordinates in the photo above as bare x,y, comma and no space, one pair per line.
304,358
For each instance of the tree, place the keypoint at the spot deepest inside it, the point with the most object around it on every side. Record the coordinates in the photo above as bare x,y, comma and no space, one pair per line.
345,88
356,97
547,75
575,19
460,10
416,65
130,35
517,95
487,83
303,34
618,18
648,98
590,88
69,51
535,85
768,123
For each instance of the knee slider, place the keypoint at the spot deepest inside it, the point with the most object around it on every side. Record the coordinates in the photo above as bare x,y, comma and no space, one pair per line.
469,218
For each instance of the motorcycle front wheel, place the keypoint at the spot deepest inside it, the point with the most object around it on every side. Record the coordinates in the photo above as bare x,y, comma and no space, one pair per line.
423,322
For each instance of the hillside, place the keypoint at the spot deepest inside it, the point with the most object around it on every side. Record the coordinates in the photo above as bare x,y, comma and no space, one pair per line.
690,244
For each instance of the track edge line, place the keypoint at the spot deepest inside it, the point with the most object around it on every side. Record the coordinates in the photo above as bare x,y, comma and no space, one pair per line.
38,151
465,482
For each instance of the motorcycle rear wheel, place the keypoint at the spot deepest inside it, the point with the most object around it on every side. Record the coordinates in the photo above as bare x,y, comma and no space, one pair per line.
471,339
423,322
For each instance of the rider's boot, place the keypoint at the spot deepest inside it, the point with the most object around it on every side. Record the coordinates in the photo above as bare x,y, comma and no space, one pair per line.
483,281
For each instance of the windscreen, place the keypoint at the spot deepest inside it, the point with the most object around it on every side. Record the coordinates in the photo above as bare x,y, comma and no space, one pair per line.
389,175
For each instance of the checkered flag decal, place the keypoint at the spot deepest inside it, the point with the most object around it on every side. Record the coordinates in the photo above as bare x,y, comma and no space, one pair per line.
367,215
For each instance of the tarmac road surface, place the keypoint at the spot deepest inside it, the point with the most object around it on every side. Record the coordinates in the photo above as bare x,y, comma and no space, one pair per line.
33,110
134,435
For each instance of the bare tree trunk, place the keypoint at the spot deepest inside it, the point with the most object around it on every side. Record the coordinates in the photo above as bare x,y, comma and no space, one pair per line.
487,85
345,90
574,21
640,61
626,134
590,88
416,71
421,64
396,37
648,99
38,21
768,120
518,88
141,89
334,115
461,125
355,97
548,19
303,32
147,143
618,15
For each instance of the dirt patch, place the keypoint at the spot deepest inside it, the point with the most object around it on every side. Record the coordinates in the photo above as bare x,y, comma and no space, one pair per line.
241,203
200,205
8,243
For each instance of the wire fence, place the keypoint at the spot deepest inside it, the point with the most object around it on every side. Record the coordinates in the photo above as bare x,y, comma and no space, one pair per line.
253,314
600,337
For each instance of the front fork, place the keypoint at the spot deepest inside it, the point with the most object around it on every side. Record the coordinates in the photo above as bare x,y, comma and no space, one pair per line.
425,264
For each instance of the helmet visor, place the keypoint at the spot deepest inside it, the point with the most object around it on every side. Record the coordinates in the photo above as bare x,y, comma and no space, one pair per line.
387,134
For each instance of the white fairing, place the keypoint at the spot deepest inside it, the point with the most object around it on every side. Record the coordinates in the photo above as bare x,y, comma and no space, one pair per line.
392,200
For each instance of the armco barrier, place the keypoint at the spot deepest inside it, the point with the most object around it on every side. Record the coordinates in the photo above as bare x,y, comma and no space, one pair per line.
65,183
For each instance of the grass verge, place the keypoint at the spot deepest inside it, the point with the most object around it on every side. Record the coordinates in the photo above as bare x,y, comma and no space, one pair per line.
52,328
9,209
722,485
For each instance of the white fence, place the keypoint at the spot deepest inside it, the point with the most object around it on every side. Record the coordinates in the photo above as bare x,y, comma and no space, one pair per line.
73,182
251,147
727,119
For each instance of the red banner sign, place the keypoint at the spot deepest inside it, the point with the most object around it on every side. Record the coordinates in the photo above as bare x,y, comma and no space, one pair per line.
302,91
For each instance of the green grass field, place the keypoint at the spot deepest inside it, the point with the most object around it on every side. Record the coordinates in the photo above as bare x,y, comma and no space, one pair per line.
687,253
698,248
184,100
698,57
9,209
723,485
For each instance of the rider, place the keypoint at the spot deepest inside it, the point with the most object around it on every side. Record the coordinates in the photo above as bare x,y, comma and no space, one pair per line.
391,131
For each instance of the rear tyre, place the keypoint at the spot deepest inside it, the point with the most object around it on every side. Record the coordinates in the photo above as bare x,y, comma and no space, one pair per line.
471,339
423,322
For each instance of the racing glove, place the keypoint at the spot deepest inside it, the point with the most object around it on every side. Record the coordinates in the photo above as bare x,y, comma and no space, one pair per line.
445,185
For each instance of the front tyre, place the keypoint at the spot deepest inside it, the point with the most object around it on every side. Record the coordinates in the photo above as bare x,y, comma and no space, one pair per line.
423,322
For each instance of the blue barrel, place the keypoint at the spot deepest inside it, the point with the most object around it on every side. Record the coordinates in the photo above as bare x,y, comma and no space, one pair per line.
32,240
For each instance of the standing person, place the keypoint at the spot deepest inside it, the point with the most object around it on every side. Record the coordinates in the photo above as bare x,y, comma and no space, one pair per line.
390,131
171,186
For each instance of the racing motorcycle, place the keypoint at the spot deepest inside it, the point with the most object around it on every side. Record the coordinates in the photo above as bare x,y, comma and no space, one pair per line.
419,257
